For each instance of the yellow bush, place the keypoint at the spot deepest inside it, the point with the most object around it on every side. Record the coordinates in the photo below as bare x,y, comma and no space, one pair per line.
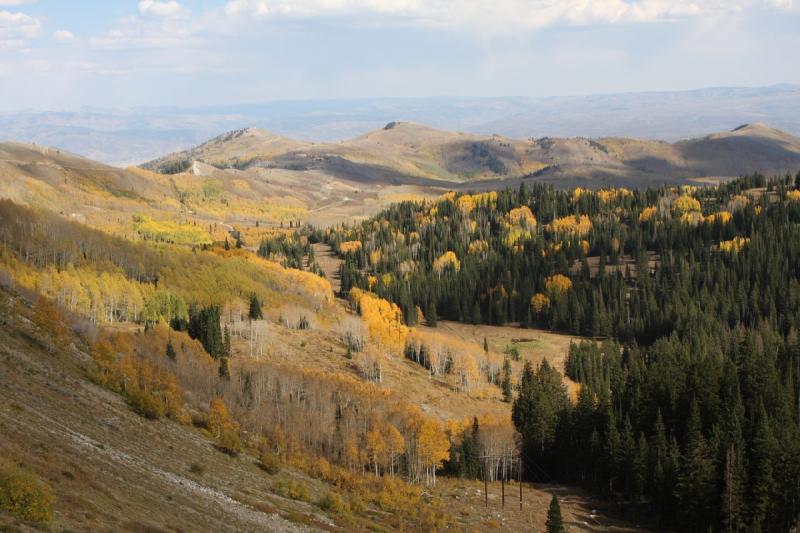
24,494
350,247
335,504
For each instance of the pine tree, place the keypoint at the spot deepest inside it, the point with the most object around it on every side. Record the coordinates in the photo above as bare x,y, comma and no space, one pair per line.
697,480
763,450
506,383
554,523
255,308
171,350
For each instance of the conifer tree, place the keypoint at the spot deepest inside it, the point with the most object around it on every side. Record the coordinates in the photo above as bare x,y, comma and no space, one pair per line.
224,368
554,523
254,312
506,383
170,352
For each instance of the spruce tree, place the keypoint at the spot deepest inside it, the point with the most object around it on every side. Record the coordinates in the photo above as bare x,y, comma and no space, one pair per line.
254,312
506,383
554,523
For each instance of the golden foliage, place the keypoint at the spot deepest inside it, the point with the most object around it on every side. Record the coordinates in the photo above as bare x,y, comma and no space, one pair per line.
447,259
794,195
540,302
685,204
149,388
467,202
648,213
734,245
223,428
168,231
557,285
48,318
692,218
723,217
384,320
576,225
609,195
348,247
522,216
478,247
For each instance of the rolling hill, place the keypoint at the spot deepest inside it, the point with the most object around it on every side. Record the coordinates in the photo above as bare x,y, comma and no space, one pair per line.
411,154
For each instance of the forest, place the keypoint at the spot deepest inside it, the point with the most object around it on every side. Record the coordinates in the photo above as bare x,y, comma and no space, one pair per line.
689,404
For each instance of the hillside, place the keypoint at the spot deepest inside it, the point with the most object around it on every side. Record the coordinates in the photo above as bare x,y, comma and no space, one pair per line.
404,153
114,380
213,200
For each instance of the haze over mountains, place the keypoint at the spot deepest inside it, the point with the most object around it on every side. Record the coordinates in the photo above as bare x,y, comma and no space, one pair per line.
125,137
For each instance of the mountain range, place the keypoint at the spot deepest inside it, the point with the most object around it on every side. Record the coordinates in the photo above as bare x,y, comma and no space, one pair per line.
131,136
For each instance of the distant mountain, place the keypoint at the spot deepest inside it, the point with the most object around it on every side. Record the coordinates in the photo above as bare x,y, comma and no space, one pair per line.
408,153
124,137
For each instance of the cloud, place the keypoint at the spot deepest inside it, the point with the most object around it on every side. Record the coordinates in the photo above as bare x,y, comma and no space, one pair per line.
16,29
501,14
16,2
163,9
64,36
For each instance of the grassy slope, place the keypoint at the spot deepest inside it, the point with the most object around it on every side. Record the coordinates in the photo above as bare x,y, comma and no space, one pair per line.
113,470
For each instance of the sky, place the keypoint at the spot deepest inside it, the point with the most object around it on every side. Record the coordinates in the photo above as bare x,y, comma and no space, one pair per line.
70,54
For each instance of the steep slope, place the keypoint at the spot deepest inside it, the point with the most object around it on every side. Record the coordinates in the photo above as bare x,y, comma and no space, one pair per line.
109,468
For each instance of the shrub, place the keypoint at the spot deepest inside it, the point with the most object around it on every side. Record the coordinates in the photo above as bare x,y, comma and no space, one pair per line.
197,468
334,503
292,489
23,494
269,462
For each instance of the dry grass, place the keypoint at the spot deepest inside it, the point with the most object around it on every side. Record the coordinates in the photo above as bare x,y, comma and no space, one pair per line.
580,511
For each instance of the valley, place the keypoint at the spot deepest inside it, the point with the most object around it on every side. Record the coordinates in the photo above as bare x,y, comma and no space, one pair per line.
267,334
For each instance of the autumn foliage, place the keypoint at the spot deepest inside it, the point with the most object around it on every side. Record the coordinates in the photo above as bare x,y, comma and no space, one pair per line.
24,494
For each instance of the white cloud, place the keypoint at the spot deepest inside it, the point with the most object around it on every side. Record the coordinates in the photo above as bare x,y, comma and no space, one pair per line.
16,2
16,29
163,9
530,14
133,32
64,36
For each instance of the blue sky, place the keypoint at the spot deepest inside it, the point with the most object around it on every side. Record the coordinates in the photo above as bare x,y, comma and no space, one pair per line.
65,54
